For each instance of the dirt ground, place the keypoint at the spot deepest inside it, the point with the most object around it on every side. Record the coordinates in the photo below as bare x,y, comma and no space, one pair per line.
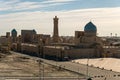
20,65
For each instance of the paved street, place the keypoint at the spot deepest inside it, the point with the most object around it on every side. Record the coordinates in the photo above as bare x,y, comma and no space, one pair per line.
37,78
106,63
95,73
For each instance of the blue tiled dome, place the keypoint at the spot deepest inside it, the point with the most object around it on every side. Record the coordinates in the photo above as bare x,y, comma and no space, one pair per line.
90,27
34,31
14,31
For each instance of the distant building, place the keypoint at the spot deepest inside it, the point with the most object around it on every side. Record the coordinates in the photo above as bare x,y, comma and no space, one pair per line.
45,39
88,37
5,43
14,35
85,44
7,34
28,36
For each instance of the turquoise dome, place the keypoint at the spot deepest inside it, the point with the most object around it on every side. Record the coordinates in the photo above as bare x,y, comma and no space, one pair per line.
90,27
14,31
34,31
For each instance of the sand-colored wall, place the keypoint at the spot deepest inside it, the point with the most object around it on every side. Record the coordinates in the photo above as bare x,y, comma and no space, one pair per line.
72,53
80,53
112,51
29,48
52,51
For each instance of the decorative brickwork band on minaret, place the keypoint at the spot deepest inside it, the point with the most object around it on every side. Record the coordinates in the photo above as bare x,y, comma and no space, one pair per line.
55,31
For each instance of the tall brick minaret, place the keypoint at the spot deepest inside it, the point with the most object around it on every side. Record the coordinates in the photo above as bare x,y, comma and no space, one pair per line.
55,31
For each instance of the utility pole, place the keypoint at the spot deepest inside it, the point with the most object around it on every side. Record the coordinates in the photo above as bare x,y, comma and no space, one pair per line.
39,62
40,70
87,66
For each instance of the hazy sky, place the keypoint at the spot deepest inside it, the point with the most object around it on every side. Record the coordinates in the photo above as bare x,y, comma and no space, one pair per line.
73,15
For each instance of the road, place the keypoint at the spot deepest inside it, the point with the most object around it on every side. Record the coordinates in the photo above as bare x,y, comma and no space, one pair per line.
95,73
37,78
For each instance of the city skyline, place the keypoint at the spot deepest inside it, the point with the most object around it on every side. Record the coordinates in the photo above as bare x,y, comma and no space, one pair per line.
73,15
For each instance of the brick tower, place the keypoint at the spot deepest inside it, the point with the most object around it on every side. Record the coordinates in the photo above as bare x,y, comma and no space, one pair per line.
55,31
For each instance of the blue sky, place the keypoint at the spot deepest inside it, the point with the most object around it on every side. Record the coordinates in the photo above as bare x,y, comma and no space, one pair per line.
11,6
73,14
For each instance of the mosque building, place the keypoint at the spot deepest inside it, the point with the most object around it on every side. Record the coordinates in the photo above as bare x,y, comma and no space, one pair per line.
85,44
87,37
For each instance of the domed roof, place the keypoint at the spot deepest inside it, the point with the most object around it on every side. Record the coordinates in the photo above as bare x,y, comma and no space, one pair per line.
14,31
34,31
90,27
